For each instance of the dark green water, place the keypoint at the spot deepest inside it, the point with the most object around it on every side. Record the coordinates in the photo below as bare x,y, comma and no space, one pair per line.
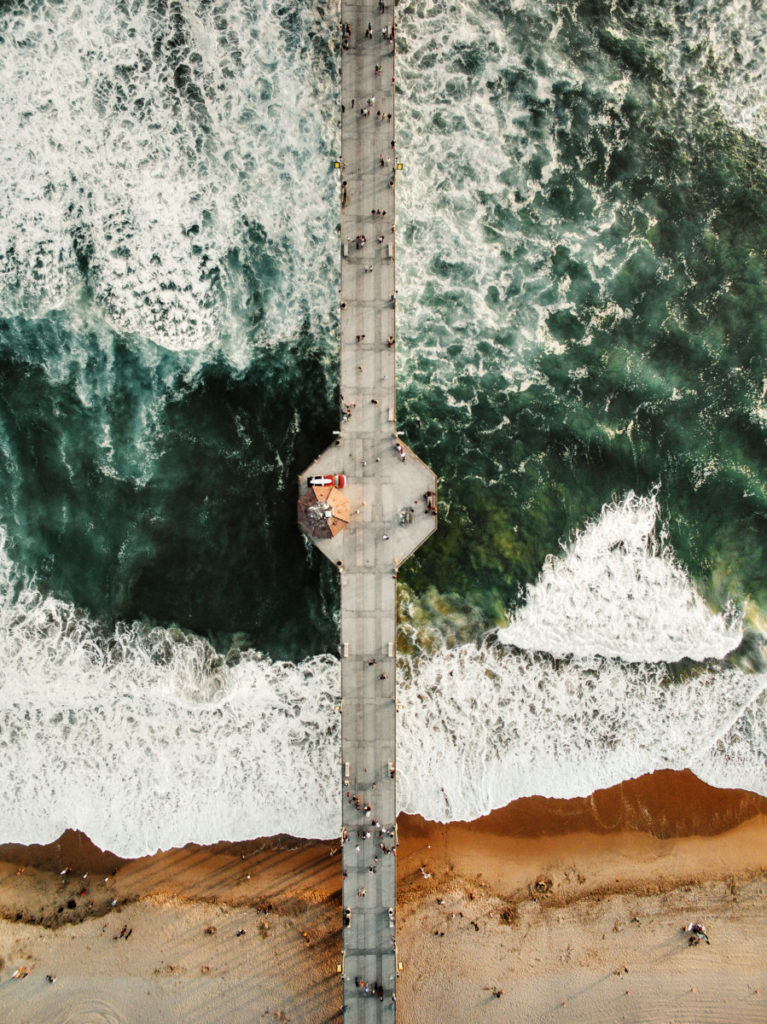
583,306
164,495
640,259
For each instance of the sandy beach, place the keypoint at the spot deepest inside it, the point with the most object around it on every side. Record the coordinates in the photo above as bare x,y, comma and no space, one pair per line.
572,909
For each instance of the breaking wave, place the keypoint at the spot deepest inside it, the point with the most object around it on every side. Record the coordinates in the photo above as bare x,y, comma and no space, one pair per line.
617,592
483,726
146,738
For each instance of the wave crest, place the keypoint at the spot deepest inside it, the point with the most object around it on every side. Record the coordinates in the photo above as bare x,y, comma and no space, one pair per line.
618,592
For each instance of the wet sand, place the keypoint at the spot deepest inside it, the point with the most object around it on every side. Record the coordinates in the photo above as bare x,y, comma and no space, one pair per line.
548,900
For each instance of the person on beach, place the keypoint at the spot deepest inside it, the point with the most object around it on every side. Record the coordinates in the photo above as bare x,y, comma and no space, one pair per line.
697,933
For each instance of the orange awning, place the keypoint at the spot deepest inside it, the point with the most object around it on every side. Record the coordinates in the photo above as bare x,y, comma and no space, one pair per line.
323,512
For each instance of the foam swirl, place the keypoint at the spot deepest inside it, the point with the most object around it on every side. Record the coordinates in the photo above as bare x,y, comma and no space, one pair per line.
149,150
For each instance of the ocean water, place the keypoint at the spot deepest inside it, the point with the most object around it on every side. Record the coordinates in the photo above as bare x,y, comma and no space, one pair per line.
582,346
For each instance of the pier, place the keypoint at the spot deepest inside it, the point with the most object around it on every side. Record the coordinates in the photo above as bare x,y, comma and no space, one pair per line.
368,527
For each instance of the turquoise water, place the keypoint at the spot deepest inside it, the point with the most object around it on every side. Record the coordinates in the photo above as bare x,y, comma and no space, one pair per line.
582,325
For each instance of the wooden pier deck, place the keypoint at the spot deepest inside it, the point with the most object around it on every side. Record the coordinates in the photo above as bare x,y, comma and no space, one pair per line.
388,516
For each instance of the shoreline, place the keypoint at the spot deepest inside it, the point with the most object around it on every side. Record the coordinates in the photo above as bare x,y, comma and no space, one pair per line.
552,902
664,804
666,828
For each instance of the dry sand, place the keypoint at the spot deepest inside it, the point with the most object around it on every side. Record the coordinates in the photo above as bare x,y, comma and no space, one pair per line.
564,905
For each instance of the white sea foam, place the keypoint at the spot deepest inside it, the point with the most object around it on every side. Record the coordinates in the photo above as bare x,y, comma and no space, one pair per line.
479,229
146,739
481,726
617,591
478,221
719,45
155,161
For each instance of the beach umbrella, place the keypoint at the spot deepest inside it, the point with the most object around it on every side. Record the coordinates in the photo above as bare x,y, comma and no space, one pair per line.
323,512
